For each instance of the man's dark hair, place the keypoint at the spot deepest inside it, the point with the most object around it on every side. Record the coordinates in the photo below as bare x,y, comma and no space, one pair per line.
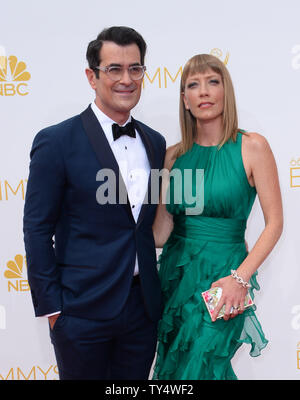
122,36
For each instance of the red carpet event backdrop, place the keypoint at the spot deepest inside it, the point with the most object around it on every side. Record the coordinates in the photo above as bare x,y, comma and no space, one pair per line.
42,82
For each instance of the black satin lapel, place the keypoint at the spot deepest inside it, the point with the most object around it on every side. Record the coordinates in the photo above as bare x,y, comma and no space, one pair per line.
151,157
103,152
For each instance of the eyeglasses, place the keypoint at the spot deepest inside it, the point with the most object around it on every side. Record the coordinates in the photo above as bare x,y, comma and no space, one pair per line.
115,73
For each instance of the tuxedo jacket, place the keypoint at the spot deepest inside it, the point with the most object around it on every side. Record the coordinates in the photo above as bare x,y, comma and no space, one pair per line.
81,254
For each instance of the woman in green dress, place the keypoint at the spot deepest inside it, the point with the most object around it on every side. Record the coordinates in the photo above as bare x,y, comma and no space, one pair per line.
201,248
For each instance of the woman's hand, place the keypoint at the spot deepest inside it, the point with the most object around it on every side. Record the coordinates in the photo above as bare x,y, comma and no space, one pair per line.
233,295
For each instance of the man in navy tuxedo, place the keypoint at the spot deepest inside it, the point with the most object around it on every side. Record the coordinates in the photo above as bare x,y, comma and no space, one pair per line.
92,262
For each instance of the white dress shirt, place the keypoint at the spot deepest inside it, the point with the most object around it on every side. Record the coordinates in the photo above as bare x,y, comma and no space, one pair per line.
132,159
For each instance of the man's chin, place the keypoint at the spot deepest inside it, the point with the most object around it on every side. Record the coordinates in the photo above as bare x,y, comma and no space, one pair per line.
126,106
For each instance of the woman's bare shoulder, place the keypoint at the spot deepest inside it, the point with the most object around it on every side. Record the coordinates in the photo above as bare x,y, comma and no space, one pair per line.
254,142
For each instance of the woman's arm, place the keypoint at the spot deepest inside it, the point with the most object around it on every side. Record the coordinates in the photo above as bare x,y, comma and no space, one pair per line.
260,167
163,222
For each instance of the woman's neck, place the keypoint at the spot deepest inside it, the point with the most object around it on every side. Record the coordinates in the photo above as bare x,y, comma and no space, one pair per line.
209,133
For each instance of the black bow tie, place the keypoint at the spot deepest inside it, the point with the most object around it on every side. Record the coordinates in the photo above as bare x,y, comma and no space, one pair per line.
118,130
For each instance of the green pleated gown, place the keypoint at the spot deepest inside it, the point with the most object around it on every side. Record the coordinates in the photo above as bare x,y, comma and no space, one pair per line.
200,250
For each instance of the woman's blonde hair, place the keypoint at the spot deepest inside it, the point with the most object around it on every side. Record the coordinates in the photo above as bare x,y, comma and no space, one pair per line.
188,124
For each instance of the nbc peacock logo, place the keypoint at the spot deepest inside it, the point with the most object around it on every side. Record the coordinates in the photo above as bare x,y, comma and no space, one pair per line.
13,76
16,274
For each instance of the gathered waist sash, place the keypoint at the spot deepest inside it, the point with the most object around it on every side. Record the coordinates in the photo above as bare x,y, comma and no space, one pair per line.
224,230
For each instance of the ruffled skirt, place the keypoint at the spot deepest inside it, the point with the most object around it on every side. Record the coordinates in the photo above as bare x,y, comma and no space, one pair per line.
190,345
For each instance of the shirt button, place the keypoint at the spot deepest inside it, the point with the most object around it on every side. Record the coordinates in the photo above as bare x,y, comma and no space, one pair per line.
133,206
125,147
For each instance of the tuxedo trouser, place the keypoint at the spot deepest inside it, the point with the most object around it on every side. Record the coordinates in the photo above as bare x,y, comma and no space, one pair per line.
121,348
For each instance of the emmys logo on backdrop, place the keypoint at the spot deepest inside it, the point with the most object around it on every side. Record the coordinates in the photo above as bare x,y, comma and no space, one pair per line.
296,57
34,373
295,173
8,190
16,276
163,75
13,75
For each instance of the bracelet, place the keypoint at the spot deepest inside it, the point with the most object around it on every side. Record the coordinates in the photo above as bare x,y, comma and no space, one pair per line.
239,279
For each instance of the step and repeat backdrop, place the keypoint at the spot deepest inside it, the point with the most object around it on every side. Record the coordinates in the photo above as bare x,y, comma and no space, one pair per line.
42,82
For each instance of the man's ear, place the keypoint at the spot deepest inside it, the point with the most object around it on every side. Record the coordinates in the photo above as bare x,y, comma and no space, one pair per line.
91,76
